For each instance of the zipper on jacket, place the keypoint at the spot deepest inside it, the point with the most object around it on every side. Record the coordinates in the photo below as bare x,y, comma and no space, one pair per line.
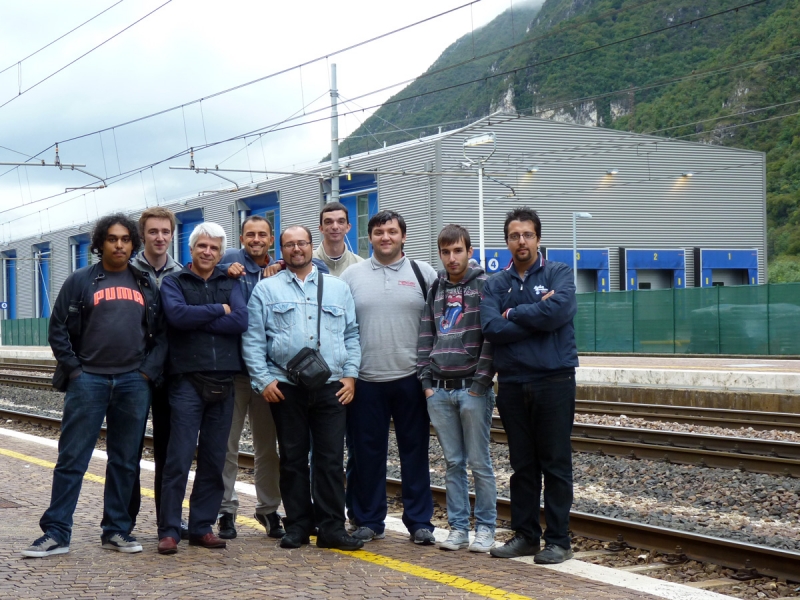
213,341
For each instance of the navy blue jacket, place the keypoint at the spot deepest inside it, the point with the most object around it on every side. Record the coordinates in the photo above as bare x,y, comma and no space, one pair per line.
201,336
538,337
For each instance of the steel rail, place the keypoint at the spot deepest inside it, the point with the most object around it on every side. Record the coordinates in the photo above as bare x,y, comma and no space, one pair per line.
783,564
773,562
757,456
691,415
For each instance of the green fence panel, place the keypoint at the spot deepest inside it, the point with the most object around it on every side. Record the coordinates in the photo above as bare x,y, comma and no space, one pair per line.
697,321
783,310
614,322
653,321
743,323
585,334
25,332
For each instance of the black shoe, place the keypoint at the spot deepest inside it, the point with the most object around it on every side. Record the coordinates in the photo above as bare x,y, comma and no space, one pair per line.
184,530
294,539
272,523
518,546
552,555
341,541
227,526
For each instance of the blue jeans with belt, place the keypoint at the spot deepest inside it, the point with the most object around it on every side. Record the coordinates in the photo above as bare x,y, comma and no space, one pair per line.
462,425
123,401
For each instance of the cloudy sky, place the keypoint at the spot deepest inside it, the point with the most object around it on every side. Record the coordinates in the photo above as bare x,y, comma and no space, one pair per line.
182,52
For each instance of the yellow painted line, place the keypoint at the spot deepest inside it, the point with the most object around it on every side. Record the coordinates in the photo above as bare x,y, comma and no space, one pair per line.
87,476
461,583
454,581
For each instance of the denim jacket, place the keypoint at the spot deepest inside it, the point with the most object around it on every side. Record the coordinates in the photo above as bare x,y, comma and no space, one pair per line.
283,320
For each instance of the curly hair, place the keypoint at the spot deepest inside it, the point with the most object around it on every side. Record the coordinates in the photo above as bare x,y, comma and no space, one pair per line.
102,226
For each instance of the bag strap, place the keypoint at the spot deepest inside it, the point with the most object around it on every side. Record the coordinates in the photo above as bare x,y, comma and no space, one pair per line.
423,286
320,278
435,288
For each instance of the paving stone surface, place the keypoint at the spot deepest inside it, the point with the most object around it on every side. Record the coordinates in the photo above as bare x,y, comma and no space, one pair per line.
252,566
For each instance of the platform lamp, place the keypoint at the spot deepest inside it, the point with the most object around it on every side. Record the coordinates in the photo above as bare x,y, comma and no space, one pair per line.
575,217
479,140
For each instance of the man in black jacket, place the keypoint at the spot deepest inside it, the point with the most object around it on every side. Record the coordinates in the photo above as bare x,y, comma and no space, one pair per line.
206,314
107,335
527,314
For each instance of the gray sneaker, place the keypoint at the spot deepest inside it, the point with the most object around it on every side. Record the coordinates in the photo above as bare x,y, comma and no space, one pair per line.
423,537
456,540
552,555
122,543
484,540
365,534
45,546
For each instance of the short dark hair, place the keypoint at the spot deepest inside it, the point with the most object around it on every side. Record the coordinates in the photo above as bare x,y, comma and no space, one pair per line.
384,217
523,213
103,224
303,227
255,219
333,206
452,234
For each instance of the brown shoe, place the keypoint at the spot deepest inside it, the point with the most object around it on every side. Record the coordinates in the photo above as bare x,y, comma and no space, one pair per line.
167,545
208,540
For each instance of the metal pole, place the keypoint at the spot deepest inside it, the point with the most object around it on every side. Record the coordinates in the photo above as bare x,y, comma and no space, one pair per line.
334,137
575,249
480,217
5,285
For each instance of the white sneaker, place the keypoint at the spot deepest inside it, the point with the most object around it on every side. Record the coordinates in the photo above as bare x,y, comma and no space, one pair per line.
484,540
455,541
122,543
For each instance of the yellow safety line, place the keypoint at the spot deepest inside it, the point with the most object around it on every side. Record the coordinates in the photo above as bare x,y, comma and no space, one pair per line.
461,583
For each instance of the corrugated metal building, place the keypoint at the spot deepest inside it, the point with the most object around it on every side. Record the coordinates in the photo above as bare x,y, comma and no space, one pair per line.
665,213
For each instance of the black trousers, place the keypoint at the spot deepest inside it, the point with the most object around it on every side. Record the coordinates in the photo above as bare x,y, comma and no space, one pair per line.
160,415
300,418
537,418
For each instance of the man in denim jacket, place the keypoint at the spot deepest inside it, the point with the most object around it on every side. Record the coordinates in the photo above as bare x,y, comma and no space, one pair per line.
283,320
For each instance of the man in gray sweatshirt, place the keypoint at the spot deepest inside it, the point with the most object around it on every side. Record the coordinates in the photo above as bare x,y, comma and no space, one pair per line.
389,291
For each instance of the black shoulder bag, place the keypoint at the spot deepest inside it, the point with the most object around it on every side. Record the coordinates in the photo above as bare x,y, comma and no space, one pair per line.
307,369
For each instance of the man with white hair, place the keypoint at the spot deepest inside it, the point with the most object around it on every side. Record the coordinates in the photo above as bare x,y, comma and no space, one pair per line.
206,313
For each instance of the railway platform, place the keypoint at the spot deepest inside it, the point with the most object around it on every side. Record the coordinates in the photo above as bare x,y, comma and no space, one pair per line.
253,566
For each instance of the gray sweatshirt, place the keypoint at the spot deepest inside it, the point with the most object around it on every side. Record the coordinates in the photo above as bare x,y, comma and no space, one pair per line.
389,305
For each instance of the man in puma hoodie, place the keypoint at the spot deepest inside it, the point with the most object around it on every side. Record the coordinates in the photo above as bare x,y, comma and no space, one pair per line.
454,364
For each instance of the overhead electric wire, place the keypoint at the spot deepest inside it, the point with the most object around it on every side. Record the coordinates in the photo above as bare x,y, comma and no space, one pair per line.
125,175
276,73
14,64
427,74
72,62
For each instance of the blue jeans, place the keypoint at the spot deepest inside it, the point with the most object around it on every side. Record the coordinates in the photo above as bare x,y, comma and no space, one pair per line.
462,425
123,400
204,427
538,419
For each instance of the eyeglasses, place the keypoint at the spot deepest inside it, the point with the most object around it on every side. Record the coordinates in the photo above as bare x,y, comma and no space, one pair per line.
528,235
292,245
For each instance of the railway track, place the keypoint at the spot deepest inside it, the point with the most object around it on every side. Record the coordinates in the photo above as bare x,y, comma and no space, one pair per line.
709,417
745,454
782,564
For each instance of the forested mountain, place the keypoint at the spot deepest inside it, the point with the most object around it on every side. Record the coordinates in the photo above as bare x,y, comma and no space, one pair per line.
695,69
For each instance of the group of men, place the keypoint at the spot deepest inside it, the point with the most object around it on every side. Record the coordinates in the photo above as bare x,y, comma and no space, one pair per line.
400,343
